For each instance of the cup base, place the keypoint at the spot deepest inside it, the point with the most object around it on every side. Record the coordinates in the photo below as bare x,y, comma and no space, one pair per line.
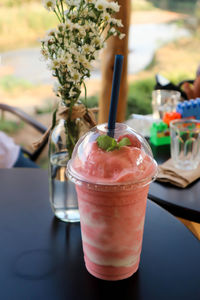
67,215
185,165
108,272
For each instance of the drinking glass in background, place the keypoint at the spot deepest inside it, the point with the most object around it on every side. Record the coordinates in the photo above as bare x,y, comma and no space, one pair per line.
185,143
141,123
164,101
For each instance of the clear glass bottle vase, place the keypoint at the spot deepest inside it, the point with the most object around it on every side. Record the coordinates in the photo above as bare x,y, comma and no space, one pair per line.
63,197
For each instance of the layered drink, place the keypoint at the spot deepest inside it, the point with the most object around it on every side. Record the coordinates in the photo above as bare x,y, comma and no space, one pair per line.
112,177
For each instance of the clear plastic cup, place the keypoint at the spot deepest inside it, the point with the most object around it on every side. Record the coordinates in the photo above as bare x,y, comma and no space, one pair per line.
112,189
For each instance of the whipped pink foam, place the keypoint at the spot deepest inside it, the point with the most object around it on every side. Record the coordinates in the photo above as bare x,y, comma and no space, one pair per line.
127,164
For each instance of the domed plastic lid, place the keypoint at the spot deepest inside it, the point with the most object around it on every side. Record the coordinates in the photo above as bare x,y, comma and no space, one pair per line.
125,159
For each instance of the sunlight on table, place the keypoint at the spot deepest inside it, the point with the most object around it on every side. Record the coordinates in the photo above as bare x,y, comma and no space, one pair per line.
192,226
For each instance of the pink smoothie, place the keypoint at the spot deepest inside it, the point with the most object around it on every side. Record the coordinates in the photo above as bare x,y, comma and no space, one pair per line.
112,191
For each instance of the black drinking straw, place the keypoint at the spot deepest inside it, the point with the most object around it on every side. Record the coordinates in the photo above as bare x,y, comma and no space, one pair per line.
115,94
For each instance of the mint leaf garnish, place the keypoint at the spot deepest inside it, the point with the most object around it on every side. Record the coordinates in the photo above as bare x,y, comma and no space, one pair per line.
124,142
108,143
105,142
113,146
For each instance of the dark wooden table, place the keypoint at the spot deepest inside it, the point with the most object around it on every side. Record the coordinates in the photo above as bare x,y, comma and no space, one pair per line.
41,257
183,203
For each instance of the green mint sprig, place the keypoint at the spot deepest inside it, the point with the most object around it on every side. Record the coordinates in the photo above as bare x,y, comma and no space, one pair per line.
108,143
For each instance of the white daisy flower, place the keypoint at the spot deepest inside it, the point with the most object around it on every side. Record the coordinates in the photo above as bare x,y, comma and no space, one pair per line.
73,2
52,31
119,23
53,47
81,58
61,27
60,40
91,14
116,22
121,36
114,6
72,93
54,64
101,5
50,40
61,52
49,4
87,65
105,16
97,41
75,76
112,30
66,85
88,49
74,51
69,25
44,53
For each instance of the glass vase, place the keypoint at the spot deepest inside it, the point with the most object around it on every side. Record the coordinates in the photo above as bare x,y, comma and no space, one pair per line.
63,197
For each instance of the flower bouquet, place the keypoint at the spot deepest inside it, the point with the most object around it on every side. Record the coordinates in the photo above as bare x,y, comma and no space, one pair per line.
70,49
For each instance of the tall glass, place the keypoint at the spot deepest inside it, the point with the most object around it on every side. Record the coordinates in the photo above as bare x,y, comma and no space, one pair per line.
185,143
164,101
112,189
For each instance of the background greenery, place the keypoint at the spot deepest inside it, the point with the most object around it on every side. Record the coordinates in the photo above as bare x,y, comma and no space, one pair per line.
10,127
139,97
183,6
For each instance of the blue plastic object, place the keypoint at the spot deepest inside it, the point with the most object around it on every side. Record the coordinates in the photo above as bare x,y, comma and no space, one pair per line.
189,109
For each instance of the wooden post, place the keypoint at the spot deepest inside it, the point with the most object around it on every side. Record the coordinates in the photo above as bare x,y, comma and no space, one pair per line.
115,46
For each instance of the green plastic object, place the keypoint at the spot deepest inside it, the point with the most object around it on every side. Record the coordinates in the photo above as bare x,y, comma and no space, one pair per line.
160,134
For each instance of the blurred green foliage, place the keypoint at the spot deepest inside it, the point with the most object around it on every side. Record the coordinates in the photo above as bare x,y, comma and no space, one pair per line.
181,6
142,5
9,83
91,101
140,94
11,3
139,97
45,109
10,127
24,24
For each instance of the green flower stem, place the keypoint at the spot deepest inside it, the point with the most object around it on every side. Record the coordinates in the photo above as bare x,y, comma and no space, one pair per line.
57,75
57,15
63,15
58,8
80,7
85,89
71,131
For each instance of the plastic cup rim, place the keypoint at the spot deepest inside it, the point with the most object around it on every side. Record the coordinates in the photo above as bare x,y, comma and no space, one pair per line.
128,184
182,121
167,91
